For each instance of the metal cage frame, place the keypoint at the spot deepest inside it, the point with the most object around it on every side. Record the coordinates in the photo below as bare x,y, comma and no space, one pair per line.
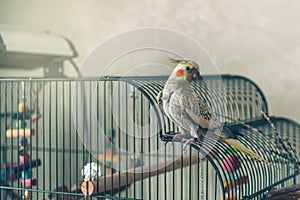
244,102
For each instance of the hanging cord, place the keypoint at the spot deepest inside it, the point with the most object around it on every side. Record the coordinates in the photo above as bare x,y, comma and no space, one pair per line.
201,178
23,91
279,142
134,95
283,143
37,112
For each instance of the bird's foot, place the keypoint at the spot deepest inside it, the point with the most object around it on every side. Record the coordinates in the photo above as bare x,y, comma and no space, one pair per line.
179,137
176,137
187,142
185,139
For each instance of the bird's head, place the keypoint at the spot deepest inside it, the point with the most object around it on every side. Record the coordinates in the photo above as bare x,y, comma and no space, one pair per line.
186,70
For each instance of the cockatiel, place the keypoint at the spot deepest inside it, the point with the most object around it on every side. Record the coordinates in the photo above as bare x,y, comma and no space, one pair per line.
191,113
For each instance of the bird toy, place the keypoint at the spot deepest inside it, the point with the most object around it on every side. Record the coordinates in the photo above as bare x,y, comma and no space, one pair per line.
91,171
21,131
231,163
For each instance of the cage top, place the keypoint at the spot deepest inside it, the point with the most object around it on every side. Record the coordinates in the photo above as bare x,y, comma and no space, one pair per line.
236,93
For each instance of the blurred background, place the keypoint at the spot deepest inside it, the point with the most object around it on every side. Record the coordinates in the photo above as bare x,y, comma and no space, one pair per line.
256,39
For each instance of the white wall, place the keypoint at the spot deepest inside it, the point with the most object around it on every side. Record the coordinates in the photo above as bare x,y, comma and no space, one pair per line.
256,39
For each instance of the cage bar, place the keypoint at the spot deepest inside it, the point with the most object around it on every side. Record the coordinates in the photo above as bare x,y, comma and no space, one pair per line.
116,123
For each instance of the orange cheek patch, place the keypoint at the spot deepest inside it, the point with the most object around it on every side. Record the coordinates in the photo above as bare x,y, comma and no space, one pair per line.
180,72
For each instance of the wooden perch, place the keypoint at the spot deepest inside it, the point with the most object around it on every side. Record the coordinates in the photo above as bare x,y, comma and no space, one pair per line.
13,133
139,173
290,192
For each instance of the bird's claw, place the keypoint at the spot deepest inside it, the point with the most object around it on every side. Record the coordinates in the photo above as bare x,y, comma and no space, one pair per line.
188,142
182,138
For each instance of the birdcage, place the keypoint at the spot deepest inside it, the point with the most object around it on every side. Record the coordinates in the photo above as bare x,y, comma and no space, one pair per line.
107,138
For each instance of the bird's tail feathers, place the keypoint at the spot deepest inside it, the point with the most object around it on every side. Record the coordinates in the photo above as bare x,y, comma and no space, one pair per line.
248,152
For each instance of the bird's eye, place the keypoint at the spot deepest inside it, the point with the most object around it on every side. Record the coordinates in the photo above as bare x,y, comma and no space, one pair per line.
187,68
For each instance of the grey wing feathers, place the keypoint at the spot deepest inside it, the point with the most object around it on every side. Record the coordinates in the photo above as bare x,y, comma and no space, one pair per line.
201,114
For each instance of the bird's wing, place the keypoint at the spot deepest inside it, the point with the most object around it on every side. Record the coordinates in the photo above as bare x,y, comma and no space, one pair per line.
199,111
